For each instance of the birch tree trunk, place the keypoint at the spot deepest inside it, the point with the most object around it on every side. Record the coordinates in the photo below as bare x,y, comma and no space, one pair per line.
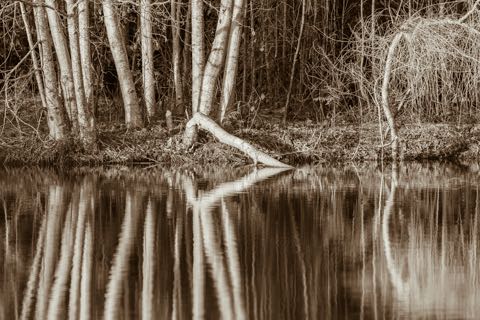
133,117
216,57
87,131
57,124
33,53
203,90
147,57
198,52
199,119
231,62
177,78
187,53
85,55
63,58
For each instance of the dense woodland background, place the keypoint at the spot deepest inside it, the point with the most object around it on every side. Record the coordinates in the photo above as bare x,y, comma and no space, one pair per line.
322,60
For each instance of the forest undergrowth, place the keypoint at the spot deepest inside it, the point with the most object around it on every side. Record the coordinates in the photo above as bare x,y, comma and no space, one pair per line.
302,141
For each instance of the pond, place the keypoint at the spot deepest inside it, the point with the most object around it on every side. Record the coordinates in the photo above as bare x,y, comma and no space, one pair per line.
313,243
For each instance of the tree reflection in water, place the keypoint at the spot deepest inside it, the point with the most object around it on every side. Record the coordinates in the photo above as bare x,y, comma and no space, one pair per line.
309,243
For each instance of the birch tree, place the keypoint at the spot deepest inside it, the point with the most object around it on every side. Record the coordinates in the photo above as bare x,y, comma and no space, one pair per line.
33,54
231,62
204,91
57,124
85,55
133,116
216,57
85,119
198,52
64,63
204,79
147,57
177,79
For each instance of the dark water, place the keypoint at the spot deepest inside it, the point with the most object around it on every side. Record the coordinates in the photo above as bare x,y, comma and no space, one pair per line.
313,243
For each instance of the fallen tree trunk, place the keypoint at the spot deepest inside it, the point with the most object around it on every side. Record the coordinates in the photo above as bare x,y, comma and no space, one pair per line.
223,136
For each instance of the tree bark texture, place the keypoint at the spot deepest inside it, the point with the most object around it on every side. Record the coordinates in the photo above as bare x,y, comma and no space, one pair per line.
57,124
198,52
147,57
223,136
85,53
133,116
64,62
86,127
231,63
177,78
33,53
216,57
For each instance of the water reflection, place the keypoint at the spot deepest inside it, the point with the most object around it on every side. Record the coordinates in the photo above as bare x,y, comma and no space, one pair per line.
240,244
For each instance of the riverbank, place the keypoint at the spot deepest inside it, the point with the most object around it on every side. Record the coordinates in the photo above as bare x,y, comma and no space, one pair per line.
297,143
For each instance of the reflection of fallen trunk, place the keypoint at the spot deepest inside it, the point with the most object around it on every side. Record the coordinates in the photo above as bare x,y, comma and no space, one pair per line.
225,273
120,264
148,267
229,188
223,136
34,273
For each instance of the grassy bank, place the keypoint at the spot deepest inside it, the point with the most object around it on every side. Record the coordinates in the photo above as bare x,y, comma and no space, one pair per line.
300,142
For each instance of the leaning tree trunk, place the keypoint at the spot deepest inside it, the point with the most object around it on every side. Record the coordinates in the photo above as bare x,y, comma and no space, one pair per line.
87,132
177,78
213,67
57,124
147,57
216,57
63,58
85,56
133,116
231,63
33,53
208,86
223,136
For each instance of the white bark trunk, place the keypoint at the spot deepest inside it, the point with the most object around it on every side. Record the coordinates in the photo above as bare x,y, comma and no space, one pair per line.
231,62
386,81
33,53
63,58
57,125
177,78
223,136
198,52
147,57
133,117
85,56
216,57
87,132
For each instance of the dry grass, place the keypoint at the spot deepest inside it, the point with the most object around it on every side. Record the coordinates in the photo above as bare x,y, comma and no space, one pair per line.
436,67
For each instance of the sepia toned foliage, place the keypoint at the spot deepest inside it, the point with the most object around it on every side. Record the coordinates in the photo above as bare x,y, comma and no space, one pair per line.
326,61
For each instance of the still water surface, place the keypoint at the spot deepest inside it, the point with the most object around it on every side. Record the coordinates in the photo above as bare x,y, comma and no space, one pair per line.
312,243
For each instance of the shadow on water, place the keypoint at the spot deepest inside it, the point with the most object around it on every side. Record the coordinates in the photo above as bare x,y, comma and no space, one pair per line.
310,243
